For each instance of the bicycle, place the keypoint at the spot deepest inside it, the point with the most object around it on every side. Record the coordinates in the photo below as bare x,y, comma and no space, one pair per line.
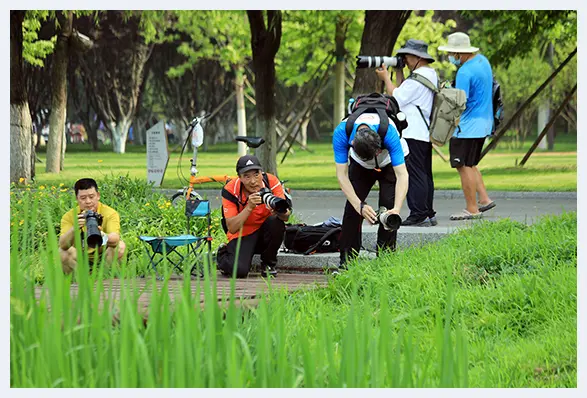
187,193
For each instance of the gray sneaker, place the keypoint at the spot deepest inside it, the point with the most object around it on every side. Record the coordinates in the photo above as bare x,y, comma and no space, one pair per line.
433,221
412,223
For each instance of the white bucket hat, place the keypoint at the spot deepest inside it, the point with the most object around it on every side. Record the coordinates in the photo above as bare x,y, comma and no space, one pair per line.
458,42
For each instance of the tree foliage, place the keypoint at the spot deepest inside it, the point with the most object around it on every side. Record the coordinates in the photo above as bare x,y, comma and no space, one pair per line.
503,35
421,26
308,38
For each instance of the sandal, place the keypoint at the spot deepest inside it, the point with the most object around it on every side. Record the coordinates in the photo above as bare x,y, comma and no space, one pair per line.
465,215
484,208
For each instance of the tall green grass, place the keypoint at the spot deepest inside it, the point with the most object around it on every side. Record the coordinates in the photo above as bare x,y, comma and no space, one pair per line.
493,306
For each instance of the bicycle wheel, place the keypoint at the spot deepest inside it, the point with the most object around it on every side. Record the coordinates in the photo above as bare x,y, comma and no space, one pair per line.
178,198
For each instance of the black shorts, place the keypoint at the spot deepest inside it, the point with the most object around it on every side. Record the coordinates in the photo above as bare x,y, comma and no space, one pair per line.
465,151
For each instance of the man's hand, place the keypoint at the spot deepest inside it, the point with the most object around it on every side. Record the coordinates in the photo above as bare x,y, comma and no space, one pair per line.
369,214
254,200
81,220
382,74
393,211
281,216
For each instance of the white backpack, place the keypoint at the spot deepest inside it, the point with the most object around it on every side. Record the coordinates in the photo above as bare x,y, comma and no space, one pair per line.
447,108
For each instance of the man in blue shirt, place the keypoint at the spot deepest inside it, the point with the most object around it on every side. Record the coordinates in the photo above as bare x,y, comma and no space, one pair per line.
361,159
475,78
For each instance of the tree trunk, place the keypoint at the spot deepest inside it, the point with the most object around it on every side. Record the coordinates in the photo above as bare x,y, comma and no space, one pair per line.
381,31
59,94
140,131
241,116
265,41
92,131
20,142
550,134
63,147
304,132
119,133
20,117
113,71
542,119
342,24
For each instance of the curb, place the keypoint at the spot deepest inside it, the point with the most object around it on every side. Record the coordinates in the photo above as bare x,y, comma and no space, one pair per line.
317,263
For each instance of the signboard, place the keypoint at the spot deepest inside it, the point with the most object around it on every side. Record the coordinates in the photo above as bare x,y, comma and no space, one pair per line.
157,153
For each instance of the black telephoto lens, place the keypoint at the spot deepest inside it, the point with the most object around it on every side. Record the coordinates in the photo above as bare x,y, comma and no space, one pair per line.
278,204
93,220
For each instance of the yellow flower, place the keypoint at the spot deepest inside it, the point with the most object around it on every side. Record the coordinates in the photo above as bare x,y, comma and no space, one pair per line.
20,201
53,188
63,190
21,222
41,187
21,180
147,204
11,223
12,193
100,160
61,184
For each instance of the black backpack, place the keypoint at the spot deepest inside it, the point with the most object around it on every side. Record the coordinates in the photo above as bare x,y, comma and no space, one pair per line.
230,197
308,239
497,105
382,104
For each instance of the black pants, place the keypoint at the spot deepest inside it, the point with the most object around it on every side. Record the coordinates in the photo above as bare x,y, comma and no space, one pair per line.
362,180
421,186
264,241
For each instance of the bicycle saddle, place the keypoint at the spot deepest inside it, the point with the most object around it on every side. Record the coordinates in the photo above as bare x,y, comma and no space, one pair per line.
253,142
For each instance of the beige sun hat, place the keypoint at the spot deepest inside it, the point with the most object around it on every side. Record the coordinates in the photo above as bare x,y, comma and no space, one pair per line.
458,42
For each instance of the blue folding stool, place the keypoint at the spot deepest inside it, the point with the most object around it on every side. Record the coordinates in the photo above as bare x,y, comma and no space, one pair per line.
167,247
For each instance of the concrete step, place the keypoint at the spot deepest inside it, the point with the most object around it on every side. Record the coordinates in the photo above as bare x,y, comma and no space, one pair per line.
407,237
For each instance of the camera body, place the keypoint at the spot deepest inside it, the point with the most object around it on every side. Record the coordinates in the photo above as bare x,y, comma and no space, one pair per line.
278,204
391,222
93,221
375,61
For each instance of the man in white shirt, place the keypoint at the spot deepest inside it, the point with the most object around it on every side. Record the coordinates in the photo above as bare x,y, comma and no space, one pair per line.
415,101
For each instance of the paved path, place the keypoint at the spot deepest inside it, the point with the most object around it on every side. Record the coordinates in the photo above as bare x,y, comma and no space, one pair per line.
316,206
313,207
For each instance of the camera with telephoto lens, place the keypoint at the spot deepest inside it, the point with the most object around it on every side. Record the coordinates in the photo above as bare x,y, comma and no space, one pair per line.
391,222
368,61
278,204
93,221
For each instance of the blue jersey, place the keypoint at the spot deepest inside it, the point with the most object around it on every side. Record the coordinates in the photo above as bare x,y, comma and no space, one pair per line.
392,152
476,79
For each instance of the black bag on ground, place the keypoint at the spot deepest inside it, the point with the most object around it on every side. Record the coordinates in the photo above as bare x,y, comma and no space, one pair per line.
308,239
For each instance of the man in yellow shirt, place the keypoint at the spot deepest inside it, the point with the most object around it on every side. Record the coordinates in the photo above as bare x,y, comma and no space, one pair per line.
88,198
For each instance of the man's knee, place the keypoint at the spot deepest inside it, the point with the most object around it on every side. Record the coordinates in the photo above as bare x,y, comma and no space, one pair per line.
276,227
121,250
68,259
227,264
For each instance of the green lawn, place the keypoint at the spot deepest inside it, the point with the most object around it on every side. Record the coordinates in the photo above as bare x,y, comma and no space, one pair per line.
545,171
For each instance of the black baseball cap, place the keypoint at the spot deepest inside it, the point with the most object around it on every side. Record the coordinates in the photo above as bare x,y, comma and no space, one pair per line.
246,163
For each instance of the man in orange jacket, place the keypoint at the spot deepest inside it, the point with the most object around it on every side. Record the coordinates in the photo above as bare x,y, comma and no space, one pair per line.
249,216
